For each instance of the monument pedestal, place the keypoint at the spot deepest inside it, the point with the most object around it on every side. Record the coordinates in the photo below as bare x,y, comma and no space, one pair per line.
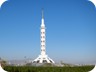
43,59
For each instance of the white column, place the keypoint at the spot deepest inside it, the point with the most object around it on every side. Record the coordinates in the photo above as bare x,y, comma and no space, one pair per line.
43,38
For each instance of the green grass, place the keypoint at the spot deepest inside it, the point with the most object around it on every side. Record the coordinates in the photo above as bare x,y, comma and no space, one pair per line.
47,69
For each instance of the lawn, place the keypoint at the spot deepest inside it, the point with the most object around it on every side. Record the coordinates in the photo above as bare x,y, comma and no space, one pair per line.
47,69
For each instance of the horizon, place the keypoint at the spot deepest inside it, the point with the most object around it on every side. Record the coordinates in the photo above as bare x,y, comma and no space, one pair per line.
70,30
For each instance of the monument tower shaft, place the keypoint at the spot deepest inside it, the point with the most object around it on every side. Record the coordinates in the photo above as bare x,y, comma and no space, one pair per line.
43,36
43,57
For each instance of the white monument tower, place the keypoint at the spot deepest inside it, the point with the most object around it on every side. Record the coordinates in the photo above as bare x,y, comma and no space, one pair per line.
43,58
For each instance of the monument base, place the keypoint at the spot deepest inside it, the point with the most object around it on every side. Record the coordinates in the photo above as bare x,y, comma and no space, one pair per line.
43,59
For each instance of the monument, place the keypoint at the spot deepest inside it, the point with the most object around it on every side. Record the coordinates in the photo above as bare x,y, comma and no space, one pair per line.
43,57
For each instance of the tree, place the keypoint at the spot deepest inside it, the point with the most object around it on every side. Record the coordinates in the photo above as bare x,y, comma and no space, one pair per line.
3,62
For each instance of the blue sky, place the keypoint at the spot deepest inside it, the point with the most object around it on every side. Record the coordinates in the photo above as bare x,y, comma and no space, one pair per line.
70,30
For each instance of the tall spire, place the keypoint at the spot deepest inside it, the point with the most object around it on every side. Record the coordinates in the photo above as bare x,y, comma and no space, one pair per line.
42,22
42,13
